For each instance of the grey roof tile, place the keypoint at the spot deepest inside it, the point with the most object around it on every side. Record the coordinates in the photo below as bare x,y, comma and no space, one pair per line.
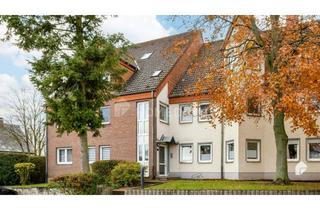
195,73
163,58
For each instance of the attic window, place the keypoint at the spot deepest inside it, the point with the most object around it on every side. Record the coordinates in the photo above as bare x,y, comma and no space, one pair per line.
156,73
146,55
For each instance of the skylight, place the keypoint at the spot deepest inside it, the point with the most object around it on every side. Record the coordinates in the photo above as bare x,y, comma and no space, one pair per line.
146,55
156,73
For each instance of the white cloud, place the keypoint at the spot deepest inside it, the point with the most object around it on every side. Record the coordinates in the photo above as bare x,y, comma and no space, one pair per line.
136,28
9,84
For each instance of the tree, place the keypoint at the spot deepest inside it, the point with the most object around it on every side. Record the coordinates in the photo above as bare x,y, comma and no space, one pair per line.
26,120
271,61
73,69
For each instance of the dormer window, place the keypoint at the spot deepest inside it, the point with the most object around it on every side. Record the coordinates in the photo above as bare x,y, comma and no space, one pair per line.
146,55
156,73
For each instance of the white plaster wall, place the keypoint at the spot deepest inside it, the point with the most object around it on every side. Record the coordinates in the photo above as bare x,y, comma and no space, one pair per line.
195,133
231,169
262,129
162,128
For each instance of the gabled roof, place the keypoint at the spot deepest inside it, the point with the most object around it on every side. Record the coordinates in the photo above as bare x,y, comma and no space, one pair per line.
198,69
7,143
162,59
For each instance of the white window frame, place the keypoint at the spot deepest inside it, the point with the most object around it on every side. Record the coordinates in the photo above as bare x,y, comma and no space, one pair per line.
258,150
180,153
95,154
100,151
308,149
106,107
227,151
199,112
66,154
199,153
167,112
293,141
180,113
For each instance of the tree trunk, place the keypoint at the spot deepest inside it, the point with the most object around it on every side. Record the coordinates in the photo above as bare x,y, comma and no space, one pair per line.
281,145
84,152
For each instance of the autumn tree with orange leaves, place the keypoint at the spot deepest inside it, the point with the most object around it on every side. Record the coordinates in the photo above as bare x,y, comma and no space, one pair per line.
273,62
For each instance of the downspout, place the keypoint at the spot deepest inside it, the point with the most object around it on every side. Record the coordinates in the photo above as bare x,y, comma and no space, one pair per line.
222,150
154,134
47,149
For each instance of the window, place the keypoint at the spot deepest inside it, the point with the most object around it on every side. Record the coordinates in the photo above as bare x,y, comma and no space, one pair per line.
186,113
205,153
253,150
146,55
204,112
186,153
107,77
156,73
105,112
313,150
230,151
64,156
105,152
254,108
164,113
92,154
293,150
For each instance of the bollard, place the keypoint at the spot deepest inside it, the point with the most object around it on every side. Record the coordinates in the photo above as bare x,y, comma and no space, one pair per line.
142,177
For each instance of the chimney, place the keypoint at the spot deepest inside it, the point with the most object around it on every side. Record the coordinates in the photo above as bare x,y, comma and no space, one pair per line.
1,122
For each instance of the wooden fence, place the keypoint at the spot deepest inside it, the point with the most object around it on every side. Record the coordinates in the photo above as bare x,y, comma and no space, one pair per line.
220,192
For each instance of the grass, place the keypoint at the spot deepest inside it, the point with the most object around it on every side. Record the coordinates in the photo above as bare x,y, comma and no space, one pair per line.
234,185
30,185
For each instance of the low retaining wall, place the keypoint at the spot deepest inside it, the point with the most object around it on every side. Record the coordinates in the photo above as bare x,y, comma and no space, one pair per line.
36,191
221,192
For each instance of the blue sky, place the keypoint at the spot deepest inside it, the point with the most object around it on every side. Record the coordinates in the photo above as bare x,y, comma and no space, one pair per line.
13,61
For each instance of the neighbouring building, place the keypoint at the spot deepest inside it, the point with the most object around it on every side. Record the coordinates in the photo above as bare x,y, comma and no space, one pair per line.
9,143
158,123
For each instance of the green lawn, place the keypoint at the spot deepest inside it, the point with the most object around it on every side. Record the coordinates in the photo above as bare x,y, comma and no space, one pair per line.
30,185
233,185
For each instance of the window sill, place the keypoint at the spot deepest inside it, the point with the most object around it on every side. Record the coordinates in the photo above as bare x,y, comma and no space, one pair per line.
185,122
106,123
229,161
292,160
313,160
164,122
68,163
181,162
205,162
253,161
253,115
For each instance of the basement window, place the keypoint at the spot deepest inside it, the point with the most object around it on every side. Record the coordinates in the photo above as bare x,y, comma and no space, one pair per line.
156,73
146,55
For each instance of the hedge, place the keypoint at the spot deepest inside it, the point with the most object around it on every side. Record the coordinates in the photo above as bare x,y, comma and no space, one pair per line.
8,176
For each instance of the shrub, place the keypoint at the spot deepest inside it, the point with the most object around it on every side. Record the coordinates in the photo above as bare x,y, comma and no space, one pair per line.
103,168
8,175
76,184
39,174
24,170
126,174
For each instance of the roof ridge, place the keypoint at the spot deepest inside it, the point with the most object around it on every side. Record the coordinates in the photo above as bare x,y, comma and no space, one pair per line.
166,37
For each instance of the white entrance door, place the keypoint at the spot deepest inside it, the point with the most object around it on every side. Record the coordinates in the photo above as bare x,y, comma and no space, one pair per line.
163,160
143,135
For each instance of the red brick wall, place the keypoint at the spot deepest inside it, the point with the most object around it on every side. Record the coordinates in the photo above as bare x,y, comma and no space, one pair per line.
120,135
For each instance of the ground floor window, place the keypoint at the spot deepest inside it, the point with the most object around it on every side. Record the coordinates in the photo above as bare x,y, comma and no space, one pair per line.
230,151
105,152
186,153
313,150
205,153
64,155
253,150
92,154
293,150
